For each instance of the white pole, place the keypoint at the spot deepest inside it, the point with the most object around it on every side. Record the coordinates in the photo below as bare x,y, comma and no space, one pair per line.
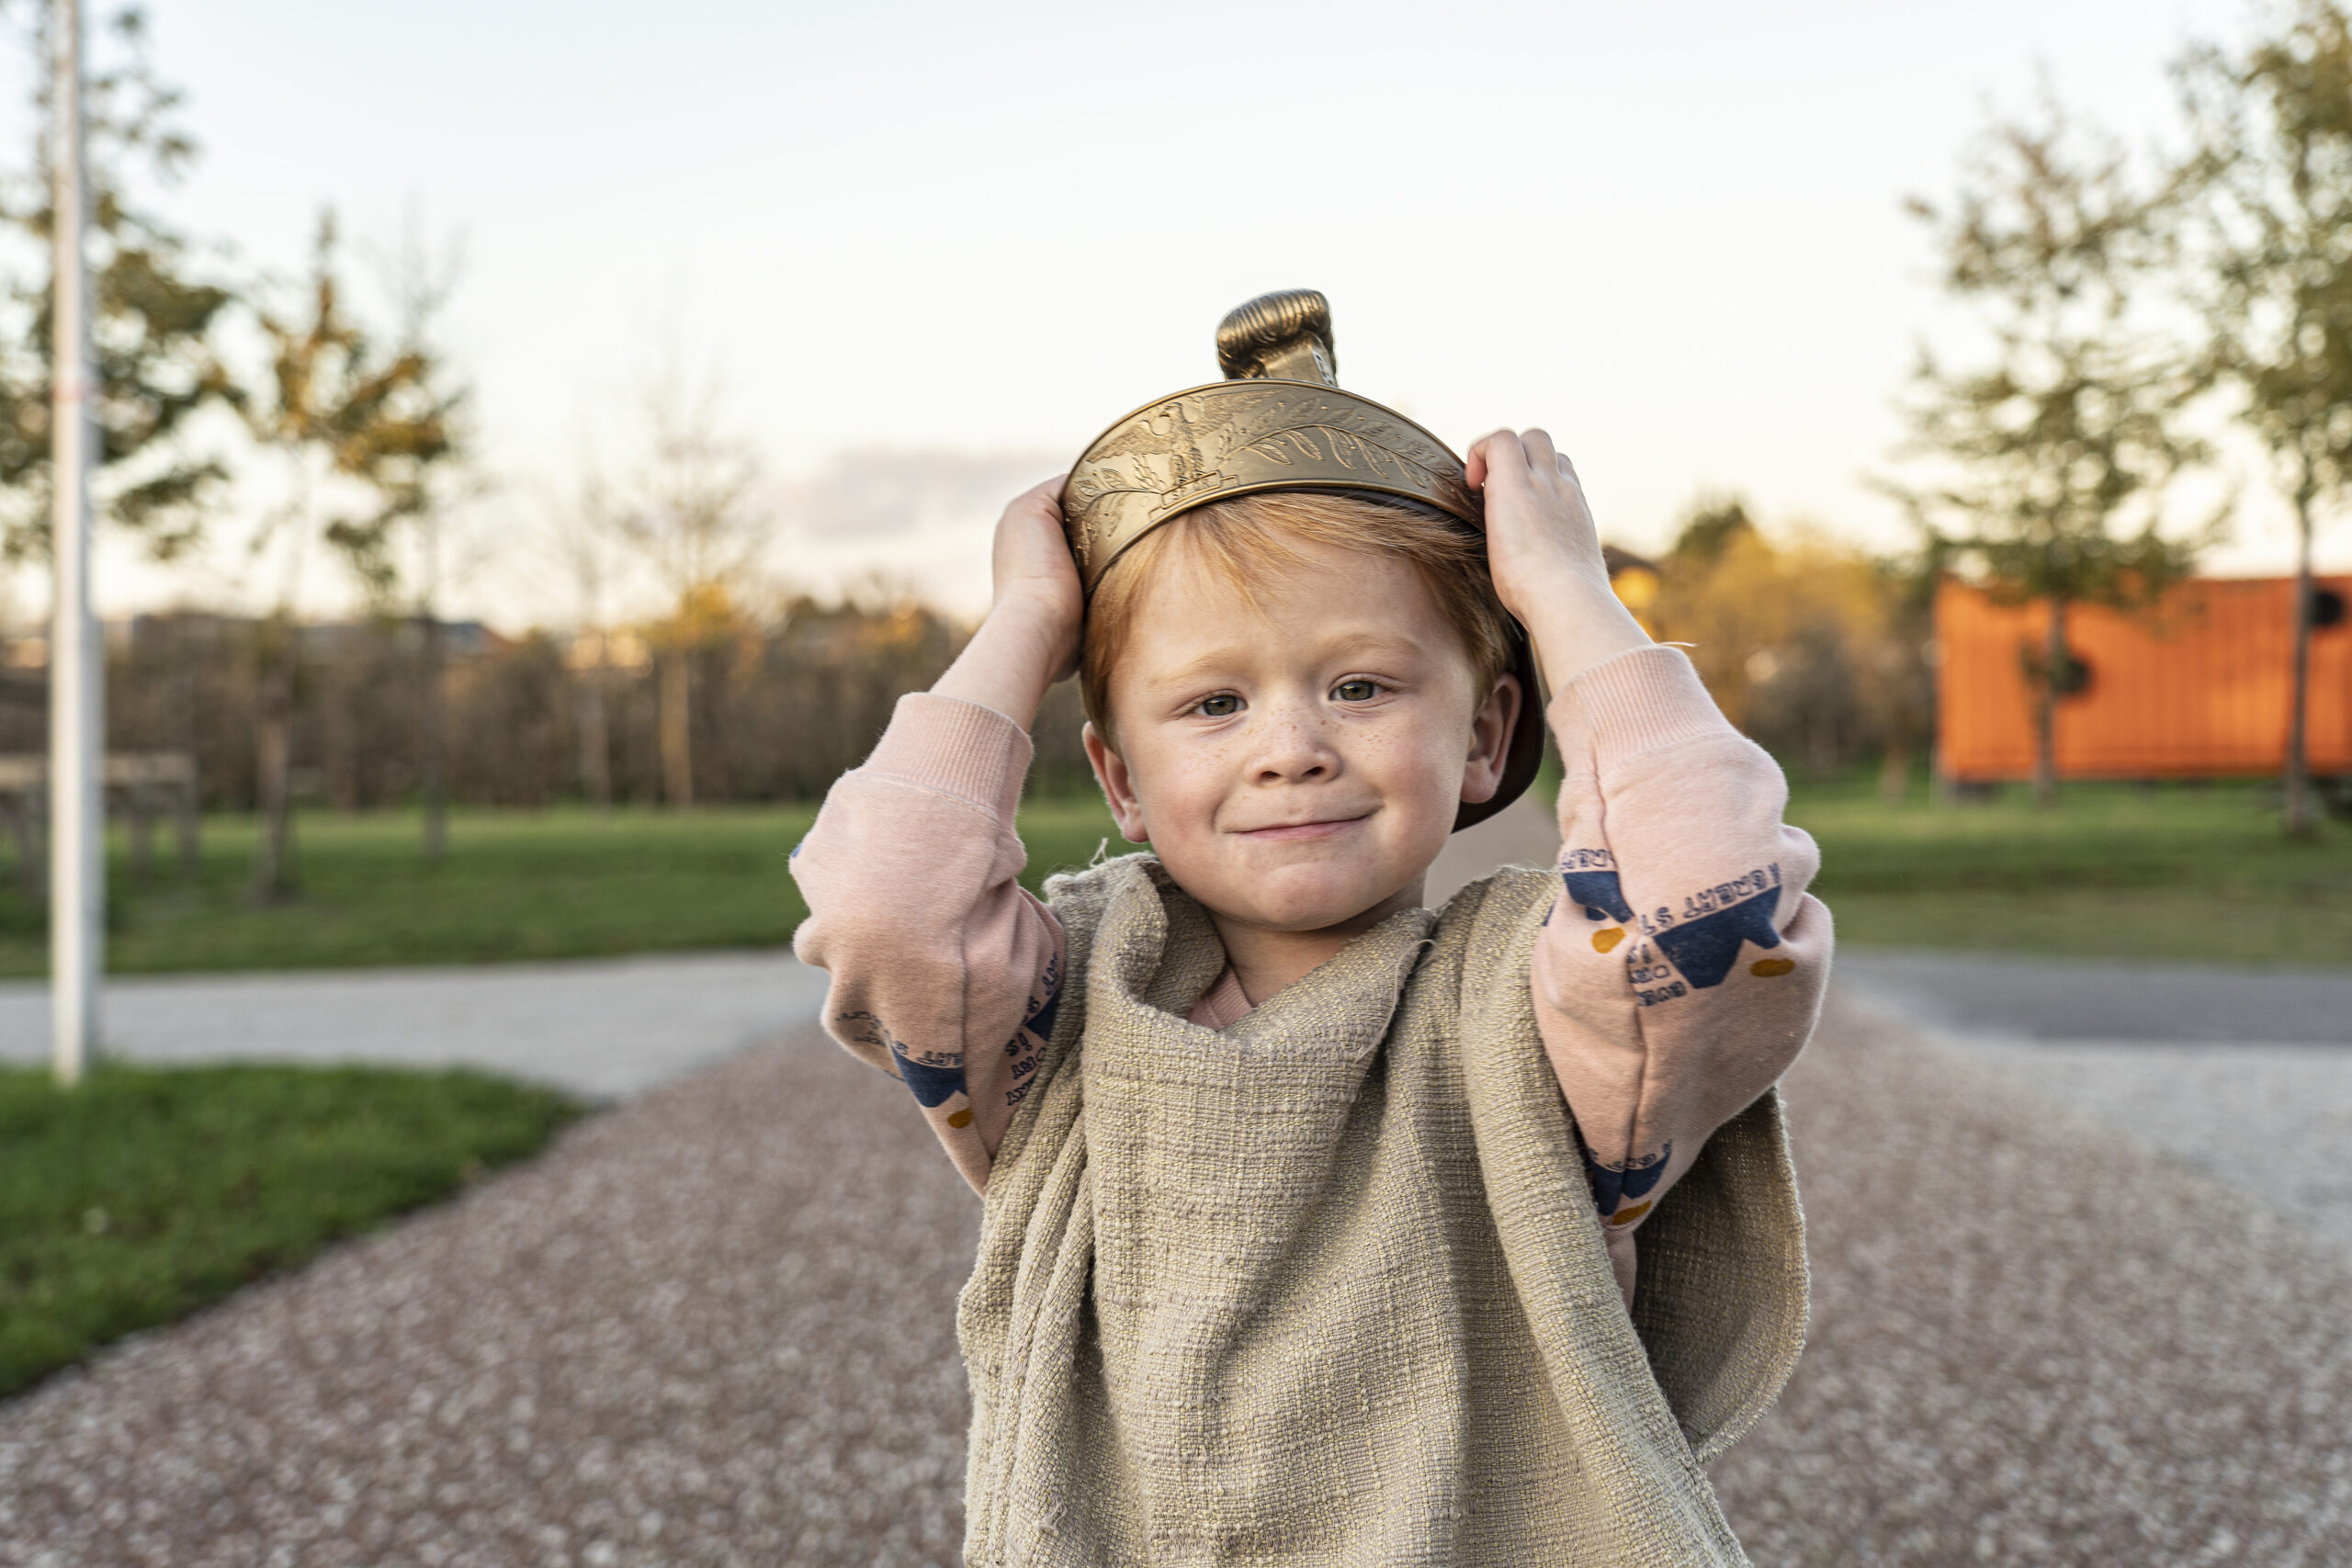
77,665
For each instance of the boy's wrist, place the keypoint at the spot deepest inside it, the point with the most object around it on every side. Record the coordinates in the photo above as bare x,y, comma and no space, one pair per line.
1040,608
1021,650
1639,702
1576,622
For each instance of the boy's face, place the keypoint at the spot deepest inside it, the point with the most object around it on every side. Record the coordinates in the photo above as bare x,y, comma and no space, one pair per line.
1296,764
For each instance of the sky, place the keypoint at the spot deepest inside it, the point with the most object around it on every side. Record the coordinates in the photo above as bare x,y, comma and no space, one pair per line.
927,251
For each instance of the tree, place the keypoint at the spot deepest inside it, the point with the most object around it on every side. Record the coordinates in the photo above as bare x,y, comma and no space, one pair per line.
151,337
2272,166
360,428
420,288
582,536
1897,684
2047,466
1809,646
1708,529
694,513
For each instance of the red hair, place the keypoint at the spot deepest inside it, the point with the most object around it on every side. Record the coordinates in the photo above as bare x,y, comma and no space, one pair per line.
1239,541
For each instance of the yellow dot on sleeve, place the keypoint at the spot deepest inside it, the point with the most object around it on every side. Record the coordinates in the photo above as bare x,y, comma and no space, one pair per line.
1768,968
961,1118
1604,941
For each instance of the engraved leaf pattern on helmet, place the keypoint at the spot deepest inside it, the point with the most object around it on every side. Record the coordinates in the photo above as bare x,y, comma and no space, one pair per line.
1356,437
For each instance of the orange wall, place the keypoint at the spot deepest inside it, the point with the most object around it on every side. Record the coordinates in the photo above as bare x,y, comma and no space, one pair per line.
2198,685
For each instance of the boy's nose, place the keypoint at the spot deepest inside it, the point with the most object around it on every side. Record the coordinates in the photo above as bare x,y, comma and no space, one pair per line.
1296,749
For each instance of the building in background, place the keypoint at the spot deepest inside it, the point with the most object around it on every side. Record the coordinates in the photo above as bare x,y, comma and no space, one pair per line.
2195,687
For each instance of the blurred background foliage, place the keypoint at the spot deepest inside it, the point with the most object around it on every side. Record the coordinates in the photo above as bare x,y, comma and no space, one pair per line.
629,774
1819,650
1822,652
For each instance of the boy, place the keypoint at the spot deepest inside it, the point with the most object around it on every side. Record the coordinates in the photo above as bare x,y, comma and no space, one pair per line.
1321,1227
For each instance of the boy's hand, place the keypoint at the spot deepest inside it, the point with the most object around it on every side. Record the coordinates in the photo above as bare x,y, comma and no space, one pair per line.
1546,555
1030,639
1035,574
1538,530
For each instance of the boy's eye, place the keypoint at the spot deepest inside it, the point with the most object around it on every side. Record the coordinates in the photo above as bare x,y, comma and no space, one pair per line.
1225,704
1356,691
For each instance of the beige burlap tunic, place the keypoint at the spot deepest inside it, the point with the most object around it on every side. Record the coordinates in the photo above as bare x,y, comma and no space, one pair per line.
1326,1287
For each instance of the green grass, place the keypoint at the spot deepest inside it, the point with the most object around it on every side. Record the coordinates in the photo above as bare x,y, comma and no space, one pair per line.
2177,872
2171,871
558,883
147,1192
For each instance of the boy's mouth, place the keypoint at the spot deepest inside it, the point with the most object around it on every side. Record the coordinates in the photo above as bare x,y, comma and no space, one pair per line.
1321,827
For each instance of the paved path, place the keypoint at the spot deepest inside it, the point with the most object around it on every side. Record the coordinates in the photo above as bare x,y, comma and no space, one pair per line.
2245,1076
715,1327
606,1028
2096,1000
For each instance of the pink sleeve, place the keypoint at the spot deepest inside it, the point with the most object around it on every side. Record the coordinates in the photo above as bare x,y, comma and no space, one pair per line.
946,970
1683,966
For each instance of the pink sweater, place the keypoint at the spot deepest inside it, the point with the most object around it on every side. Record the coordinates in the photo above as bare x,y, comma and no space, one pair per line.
1674,982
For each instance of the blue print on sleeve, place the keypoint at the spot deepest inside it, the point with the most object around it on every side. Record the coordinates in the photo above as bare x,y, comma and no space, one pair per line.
1630,1181
1705,949
932,1086
1040,1022
1600,894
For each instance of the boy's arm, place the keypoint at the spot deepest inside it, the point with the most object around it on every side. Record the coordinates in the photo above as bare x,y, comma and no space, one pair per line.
1681,971
945,969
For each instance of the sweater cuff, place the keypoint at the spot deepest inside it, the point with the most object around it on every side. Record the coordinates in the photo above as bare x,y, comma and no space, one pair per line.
1641,700
957,747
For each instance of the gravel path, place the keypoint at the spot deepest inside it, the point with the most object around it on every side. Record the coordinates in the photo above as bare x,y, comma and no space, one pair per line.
712,1327
2274,1123
715,1327
2036,1341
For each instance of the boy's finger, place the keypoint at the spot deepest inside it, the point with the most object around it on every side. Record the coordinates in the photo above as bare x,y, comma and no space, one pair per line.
1542,454
1044,498
1498,453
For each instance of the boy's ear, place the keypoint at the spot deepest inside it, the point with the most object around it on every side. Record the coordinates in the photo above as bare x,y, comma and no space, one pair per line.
1490,731
1118,787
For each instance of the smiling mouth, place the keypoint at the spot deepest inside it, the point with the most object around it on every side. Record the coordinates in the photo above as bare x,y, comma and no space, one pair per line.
1291,831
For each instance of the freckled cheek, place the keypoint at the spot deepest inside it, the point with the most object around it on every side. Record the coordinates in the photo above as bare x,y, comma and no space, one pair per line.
1181,793
1409,756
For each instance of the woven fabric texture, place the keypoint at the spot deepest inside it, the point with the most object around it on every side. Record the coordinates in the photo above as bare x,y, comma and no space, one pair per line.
1326,1287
